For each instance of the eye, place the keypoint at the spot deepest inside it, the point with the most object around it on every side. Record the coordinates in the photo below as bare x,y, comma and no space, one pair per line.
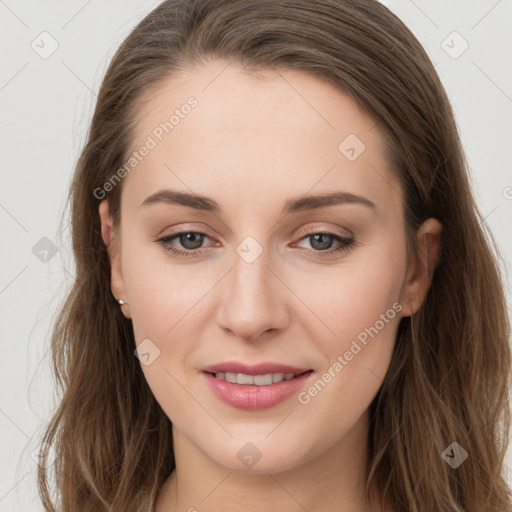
191,241
322,243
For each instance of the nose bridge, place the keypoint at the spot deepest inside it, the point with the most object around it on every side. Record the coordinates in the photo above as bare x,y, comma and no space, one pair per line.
251,300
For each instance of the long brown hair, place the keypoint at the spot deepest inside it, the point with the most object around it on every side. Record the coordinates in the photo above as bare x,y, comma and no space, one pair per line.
448,380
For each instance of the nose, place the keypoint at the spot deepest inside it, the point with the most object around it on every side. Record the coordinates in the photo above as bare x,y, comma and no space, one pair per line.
253,302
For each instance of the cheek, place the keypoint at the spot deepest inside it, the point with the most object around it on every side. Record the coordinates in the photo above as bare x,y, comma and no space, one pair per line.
359,303
352,296
161,292
165,304
169,304
347,298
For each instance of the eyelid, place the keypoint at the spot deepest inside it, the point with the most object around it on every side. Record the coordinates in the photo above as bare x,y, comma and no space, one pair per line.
304,231
183,228
346,233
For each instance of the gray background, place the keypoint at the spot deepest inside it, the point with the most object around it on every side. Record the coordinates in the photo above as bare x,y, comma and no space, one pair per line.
46,107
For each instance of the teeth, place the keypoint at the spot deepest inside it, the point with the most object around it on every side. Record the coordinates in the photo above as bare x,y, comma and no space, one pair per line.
258,380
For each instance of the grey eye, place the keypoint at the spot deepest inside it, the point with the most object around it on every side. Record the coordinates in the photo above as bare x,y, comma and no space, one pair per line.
191,240
321,241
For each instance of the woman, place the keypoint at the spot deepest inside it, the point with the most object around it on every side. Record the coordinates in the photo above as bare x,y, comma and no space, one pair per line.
285,298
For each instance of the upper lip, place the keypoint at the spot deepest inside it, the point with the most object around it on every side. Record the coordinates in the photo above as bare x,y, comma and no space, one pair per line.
257,369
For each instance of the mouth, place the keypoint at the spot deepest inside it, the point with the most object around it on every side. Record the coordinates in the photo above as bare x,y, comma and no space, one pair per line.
266,379
256,391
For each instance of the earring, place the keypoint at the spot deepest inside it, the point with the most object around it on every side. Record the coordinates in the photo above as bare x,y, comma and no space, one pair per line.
122,302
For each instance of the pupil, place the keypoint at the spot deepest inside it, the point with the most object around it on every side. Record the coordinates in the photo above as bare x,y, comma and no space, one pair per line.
322,245
191,240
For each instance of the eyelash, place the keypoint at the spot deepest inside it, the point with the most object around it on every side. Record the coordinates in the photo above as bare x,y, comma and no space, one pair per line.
346,244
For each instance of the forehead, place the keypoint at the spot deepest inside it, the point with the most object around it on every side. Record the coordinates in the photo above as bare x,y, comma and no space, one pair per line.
219,127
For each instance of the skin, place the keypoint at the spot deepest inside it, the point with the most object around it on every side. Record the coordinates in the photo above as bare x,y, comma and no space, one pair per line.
251,143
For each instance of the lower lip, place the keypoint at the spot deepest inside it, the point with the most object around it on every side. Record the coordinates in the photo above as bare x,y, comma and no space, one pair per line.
252,397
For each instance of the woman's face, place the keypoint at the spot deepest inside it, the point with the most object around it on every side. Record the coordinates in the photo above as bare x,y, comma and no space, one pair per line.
267,275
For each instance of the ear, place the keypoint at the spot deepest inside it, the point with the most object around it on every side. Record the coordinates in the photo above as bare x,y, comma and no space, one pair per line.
421,269
110,239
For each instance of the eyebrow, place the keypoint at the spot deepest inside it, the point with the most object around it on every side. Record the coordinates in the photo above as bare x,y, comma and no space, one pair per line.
304,203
